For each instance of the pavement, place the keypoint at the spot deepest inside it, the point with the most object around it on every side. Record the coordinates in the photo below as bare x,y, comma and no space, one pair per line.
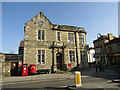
65,75
37,77
91,80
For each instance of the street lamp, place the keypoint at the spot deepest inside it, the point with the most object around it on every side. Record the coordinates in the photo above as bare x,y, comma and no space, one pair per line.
98,35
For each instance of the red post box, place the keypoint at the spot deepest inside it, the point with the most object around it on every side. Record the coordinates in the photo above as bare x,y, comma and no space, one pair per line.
32,69
25,69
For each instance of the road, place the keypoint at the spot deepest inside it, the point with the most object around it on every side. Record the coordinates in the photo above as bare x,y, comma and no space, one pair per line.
87,82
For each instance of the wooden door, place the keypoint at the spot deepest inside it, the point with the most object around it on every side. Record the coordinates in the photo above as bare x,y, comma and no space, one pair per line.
14,68
59,60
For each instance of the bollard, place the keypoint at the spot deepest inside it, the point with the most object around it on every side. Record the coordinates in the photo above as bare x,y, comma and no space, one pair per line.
77,79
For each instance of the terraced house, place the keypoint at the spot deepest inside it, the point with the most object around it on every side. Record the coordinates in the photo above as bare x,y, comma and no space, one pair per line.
52,46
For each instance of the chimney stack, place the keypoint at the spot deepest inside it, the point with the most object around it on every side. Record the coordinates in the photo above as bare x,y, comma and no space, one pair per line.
110,36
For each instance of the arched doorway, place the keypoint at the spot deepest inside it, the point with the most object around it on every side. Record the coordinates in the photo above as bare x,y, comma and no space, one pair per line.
59,60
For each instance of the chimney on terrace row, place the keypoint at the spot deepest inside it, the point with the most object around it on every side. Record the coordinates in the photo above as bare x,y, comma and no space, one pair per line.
110,36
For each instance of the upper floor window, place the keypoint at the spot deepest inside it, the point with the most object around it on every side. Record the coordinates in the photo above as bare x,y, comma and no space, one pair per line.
81,38
70,37
41,56
41,35
58,36
72,55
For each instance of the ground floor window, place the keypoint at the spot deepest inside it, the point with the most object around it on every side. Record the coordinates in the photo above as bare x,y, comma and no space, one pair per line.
82,55
72,55
41,56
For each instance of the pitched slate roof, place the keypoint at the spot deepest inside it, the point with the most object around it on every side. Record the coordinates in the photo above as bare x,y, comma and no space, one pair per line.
68,28
116,40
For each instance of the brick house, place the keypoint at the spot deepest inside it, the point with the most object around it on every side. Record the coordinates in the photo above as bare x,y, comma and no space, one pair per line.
52,46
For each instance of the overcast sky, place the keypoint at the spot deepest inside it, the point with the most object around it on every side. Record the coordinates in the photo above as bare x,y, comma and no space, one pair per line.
95,17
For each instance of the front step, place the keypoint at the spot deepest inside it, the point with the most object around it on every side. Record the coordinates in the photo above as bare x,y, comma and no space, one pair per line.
60,71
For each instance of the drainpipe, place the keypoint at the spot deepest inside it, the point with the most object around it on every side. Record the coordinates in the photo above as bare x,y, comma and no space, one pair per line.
76,48
53,65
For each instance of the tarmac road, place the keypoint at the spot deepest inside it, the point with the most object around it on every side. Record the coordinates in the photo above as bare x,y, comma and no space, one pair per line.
90,81
87,82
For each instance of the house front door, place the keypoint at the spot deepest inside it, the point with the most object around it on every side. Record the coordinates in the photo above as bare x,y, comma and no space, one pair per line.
59,60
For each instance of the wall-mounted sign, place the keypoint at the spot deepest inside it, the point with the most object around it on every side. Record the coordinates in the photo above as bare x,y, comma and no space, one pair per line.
69,65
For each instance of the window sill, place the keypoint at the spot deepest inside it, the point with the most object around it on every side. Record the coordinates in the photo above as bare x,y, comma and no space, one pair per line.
72,61
40,40
41,63
71,42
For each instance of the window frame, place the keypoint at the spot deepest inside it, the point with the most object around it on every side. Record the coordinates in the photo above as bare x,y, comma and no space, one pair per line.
71,38
41,35
82,53
41,55
81,38
59,37
71,56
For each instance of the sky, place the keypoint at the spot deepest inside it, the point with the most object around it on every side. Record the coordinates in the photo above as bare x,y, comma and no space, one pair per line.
95,17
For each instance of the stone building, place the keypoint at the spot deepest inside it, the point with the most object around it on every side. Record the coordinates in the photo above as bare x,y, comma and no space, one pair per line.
91,54
2,60
21,49
100,48
113,51
9,64
52,46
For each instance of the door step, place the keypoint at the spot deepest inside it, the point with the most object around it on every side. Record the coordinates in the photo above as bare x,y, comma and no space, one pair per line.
60,71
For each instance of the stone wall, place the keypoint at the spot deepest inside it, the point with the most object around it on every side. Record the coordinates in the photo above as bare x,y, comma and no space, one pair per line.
2,59
6,69
4,66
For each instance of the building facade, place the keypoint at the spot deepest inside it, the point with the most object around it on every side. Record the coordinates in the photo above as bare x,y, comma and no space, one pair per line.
52,46
113,51
91,54
9,64
100,47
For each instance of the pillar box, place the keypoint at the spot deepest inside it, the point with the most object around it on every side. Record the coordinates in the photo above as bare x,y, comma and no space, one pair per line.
32,69
25,69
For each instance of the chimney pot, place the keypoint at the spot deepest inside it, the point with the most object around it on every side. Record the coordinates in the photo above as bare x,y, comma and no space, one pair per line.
110,36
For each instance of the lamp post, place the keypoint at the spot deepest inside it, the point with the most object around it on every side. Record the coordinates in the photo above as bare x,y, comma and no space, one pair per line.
98,35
